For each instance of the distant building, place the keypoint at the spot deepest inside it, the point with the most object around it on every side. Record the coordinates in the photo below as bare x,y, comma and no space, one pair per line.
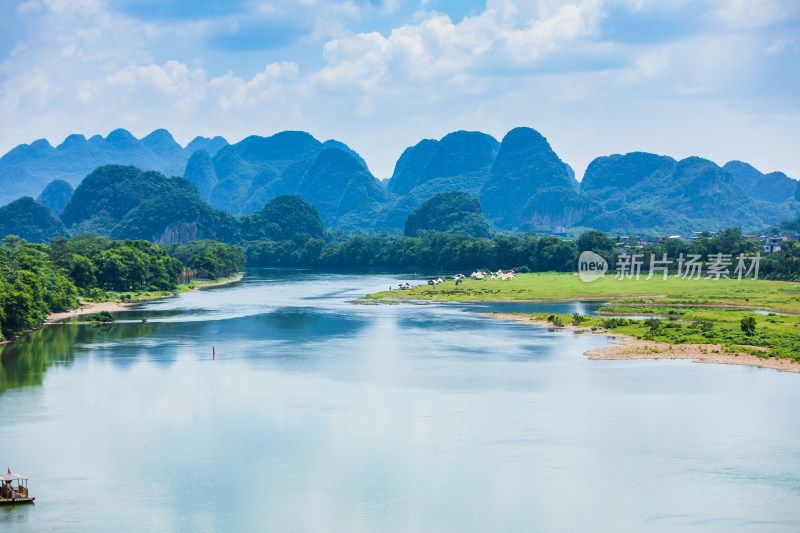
772,243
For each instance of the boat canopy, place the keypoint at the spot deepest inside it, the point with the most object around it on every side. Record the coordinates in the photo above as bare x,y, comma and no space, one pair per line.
12,477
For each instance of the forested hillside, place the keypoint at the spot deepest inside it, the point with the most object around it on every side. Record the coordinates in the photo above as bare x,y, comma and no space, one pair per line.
521,183
28,168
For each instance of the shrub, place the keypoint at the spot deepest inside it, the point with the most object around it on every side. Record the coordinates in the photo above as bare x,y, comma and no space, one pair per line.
653,323
102,316
748,325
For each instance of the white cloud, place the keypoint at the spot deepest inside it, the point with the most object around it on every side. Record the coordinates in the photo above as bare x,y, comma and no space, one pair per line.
754,13
32,7
84,68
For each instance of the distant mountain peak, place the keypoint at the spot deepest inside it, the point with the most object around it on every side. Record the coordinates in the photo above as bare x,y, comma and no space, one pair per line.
121,138
158,136
72,140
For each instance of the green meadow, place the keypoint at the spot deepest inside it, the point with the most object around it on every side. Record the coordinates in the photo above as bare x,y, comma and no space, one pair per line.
703,311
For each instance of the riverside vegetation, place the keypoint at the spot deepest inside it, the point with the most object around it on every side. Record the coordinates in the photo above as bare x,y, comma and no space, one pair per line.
39,279
679,311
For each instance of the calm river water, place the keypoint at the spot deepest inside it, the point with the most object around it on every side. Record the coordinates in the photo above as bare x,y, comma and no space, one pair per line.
321,415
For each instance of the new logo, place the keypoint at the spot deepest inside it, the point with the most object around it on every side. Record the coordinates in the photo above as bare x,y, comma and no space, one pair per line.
591,266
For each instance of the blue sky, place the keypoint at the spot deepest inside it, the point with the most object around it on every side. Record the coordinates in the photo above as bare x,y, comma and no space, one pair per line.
714,78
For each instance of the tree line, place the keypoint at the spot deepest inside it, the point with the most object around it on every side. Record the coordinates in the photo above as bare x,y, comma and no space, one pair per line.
528,253
39,279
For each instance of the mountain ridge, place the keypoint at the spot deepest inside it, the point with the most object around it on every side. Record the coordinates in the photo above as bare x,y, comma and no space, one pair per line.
27,168
521,183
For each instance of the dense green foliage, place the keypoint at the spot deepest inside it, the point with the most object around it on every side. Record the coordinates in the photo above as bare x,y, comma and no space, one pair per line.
98,263
448,212
126,203
106,195
790,228
748,325
446,251
30,220
209,259
438,251
177,215
31,287
281,219
784,264
102,316
39,279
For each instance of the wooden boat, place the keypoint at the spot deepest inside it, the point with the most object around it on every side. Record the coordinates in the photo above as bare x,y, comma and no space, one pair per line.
14,489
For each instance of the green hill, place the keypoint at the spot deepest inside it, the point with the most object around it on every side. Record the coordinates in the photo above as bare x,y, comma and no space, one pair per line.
30,220
28,168
281,219
449,212
178,215
525,165
329,176
106,195
56,195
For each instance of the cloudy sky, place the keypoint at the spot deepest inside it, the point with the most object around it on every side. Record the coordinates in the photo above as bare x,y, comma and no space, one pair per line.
714,78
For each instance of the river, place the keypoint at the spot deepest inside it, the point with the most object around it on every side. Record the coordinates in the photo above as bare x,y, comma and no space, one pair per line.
316,414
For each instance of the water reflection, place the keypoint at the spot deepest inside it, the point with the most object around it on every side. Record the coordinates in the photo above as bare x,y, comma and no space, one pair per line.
320,415
25,361
584,308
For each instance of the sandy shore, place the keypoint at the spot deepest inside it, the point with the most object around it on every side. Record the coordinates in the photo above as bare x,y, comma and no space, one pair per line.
96,307
625,347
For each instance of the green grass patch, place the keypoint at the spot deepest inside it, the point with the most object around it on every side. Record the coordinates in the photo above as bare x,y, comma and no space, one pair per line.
692,311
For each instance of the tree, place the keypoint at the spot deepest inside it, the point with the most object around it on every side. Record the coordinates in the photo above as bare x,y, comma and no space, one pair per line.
748,325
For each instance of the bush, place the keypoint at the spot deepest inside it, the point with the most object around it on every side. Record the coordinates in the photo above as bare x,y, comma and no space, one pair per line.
706,325
611,323
102,316
653,323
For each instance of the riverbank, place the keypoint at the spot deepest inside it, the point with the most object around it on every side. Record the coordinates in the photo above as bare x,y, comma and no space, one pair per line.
703,319
768,295
120,305
628,347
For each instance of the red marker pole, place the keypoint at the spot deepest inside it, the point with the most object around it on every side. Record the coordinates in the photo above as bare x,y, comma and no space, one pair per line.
213,353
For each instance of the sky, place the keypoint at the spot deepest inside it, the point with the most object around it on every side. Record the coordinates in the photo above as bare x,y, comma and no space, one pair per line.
719,79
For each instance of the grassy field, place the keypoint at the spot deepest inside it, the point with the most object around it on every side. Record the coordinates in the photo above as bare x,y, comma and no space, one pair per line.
771,295
691,311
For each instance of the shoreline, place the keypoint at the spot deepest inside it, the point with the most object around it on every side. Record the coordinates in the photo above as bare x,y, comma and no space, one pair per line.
116,305
733,307
625,347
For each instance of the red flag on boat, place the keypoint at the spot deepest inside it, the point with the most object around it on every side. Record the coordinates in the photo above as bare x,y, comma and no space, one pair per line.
9,469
